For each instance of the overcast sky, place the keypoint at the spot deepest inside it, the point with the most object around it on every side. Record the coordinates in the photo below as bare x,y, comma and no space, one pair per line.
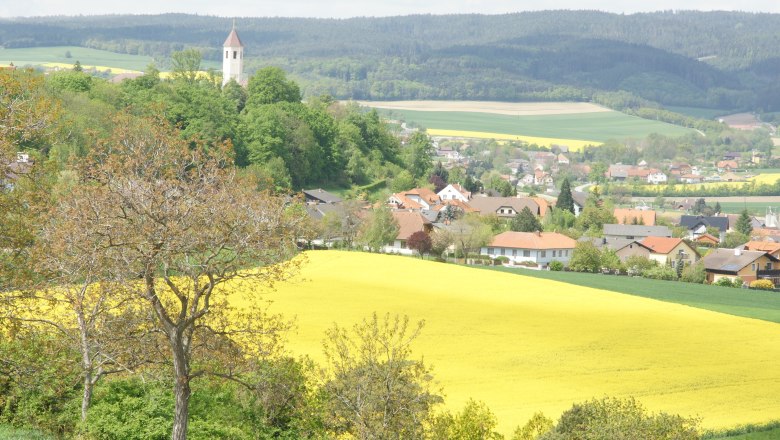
353,8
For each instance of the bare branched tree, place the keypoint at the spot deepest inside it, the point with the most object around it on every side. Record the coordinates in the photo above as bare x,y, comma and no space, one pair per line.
183,233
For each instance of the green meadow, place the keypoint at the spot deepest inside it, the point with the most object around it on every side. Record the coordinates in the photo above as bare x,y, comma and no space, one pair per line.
597,127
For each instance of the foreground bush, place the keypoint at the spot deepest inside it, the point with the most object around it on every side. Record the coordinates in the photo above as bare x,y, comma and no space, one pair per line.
617,419
762,285
661,273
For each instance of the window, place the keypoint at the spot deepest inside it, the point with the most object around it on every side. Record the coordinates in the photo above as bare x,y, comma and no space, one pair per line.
235,54
514,252
490,251
526,253
226,54
768,266
544,254
553,254
502,251
753,266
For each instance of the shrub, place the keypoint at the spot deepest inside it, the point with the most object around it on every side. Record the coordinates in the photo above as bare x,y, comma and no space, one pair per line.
556,266
661,273
694,273
637,265
762,285
725,282
501,260
617,419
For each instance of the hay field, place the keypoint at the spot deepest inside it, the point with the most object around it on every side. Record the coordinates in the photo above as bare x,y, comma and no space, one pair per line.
499,108
549,123
525,344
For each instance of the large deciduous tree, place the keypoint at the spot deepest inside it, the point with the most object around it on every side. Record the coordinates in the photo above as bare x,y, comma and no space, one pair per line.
379,229
180,229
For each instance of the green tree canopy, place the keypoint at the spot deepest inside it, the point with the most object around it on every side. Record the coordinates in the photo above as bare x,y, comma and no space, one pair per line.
743,225
525,221
565,200
270,85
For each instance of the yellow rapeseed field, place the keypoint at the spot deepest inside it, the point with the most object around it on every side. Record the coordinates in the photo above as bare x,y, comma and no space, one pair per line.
761,179
573,144
524,344
66,66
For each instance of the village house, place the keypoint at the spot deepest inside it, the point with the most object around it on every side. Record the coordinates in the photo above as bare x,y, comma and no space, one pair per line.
11,172
504,207
698,224
319,195
635,232
542,178
624,248
727,166
670,251
708,240
540,248
656,177
563,160
454,191
527,180
579,199
449,153
414,199
738,264
628,216
409,222
769,247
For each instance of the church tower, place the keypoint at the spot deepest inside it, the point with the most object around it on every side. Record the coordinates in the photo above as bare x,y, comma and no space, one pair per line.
232,58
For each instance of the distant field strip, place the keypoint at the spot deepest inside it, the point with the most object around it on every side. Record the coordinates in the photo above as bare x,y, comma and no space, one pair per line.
524,344
494,107
761,179
588,127
573,144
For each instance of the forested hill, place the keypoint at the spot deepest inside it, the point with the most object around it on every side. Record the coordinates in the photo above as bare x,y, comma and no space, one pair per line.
724,60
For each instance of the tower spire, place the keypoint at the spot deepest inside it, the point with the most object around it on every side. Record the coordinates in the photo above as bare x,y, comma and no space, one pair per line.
234,24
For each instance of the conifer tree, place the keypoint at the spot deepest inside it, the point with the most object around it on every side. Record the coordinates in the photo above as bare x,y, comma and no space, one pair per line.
565,200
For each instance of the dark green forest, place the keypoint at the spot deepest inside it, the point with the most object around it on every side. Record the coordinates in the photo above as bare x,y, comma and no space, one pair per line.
720,60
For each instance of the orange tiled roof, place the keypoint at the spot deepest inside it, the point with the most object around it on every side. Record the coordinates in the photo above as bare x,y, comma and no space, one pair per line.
532,240
661,245
626,216
409,223
424,193
543,205
765,246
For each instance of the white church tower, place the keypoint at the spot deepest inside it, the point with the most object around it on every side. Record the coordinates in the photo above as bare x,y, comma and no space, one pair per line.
233,58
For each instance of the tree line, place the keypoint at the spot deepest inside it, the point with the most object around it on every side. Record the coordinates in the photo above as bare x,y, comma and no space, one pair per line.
549,55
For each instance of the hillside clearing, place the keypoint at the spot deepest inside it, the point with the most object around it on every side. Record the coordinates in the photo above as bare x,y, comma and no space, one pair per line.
524,344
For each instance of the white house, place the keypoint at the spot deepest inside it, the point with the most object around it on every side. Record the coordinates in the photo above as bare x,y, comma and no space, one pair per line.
454,191
536,247
656,177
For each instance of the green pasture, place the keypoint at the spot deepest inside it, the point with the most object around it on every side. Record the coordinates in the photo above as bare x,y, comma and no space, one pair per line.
754,208
739,302
40,55
36,56
597,127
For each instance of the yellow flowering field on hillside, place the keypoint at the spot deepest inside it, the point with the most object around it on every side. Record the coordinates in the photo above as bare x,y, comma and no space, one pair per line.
525,344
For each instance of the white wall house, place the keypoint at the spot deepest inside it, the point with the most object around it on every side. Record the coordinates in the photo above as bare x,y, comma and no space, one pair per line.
539,247
454,191
656,178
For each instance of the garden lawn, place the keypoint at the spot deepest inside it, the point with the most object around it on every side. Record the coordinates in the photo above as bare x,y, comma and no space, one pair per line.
524,344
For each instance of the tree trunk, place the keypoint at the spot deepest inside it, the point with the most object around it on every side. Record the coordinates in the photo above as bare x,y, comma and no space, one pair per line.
181,388
86,365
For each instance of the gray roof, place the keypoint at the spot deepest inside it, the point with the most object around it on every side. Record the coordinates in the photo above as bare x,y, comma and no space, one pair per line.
320,195
726,260
488,205
692,221
637,230
579,198
317,212
614,244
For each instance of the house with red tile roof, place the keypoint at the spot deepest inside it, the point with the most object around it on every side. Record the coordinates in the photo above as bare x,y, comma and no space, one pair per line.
770,247
670,251
454,191
537,247
628,216
409,222
416,199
